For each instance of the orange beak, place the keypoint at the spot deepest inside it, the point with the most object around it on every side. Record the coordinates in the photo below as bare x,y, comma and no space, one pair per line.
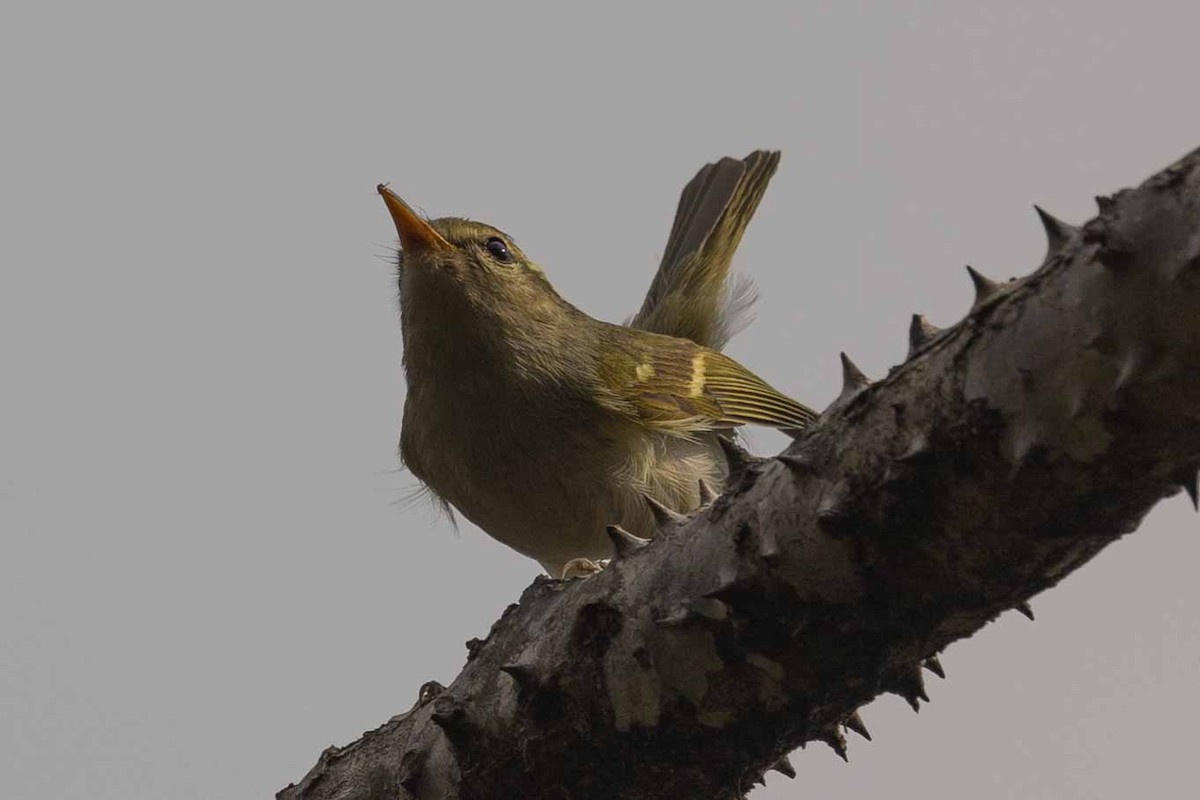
416,235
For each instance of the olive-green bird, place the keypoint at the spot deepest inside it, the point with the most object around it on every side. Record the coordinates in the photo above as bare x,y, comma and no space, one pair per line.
543,425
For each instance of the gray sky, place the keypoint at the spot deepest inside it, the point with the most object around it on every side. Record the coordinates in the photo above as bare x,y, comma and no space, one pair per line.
206,575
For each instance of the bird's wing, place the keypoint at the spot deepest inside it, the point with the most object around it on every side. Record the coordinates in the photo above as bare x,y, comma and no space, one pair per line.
690,296
679,387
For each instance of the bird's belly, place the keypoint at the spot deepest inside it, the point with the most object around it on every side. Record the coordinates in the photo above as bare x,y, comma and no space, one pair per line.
552,502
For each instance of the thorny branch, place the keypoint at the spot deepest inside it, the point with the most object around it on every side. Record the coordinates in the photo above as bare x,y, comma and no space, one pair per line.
1004,453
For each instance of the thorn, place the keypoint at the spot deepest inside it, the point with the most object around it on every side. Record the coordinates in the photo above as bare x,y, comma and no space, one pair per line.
853,381
1190,485
934,665
737,459
799,463
892,477
702,607
985,288
784,766
834,738
768,546
1189,265
1058,233
1024,442
760,780
677,617
709,608
723,589
1131,367
918,449
828,515
831,515
449,715
707,493
624,543
663,516
1077,404
412,763
1105,203
1025,609
524,676
1116,251
796,434
854,722
911,686
920,333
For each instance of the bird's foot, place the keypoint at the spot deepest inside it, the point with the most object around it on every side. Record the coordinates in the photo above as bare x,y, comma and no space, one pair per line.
582,568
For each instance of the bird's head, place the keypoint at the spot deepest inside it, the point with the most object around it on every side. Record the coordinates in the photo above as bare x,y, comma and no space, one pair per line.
454,258
467,291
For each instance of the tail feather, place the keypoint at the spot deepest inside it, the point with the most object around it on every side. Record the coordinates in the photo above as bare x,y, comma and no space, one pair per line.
690,296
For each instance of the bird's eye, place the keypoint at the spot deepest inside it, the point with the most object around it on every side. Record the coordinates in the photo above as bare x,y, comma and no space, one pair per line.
499,250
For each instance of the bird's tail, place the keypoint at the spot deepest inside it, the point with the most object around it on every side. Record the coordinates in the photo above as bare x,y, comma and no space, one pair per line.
691,296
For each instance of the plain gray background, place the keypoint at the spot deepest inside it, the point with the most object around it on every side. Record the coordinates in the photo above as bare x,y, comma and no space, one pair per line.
207,574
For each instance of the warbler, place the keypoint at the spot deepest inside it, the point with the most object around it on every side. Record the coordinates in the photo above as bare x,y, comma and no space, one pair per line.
543,425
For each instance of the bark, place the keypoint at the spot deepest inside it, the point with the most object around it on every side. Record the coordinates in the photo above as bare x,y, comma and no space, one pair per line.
1004,453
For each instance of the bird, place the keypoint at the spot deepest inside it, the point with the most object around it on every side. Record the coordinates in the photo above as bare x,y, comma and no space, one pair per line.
543,425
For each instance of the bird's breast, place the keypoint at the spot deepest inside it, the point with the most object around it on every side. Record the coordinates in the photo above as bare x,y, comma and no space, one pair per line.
547,484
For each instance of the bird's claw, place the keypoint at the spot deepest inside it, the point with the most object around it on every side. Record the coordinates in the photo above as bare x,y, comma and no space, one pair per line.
582,568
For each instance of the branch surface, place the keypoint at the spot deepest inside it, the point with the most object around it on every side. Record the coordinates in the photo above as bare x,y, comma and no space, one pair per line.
1004,453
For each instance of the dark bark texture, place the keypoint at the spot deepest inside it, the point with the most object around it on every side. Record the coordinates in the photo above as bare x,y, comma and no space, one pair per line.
1004,453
